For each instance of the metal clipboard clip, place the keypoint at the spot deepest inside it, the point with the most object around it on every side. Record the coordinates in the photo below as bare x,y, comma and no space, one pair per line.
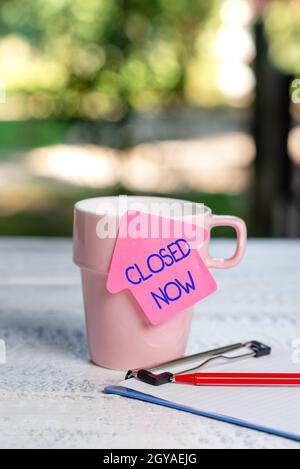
156,377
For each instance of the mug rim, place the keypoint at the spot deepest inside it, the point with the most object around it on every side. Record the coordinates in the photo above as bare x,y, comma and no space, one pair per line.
83,205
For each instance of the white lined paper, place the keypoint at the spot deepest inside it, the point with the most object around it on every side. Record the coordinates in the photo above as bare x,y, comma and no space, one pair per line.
276,408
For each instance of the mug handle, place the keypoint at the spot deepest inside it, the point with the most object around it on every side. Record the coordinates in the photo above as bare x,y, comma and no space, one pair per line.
241,232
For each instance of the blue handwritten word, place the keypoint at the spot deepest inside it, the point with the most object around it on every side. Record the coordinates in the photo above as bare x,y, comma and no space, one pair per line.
173,291
157,262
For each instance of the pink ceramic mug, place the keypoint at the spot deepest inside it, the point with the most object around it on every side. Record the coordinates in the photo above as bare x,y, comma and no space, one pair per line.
119,334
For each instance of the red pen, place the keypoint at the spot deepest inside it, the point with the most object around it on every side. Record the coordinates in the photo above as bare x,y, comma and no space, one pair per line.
239,379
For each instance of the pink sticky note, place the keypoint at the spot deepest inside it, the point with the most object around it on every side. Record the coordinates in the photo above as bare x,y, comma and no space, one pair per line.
165,274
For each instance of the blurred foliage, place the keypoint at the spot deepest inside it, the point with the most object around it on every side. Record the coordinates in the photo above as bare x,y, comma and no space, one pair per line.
282,20
25,135
51,221
103,58
100,58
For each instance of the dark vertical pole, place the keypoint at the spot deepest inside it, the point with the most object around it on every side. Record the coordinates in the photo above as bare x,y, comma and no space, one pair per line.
271,128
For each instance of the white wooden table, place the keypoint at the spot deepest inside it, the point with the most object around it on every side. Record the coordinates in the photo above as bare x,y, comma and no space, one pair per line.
50,394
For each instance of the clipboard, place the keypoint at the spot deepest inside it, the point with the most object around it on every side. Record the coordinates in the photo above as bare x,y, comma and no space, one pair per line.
271,410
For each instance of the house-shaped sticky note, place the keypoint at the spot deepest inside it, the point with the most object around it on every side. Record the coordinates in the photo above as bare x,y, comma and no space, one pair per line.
165,274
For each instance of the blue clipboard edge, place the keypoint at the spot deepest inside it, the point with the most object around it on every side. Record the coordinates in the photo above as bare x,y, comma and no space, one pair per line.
130,393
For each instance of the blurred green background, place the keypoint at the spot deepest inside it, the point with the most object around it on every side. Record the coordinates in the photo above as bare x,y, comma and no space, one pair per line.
133,96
